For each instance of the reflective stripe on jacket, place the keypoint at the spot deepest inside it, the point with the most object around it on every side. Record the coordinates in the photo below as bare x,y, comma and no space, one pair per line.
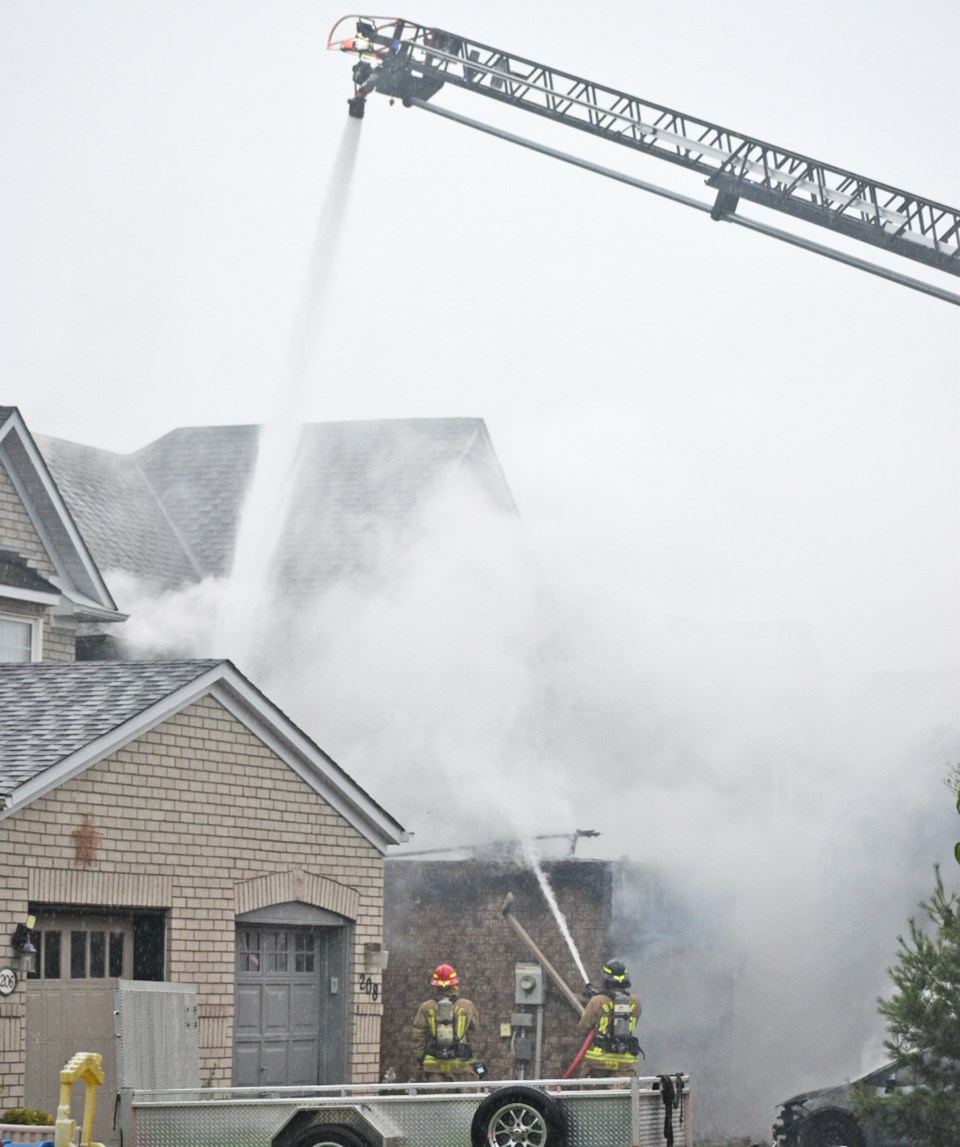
598,1014
425,1034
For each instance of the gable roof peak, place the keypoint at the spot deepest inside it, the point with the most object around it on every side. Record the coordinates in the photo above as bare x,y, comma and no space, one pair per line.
60,718
81,586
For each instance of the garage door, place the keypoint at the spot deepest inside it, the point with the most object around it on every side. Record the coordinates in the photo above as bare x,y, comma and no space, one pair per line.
289,1020
69,1002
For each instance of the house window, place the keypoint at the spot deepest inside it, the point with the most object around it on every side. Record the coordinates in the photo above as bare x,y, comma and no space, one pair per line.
278,951
97,947
51,955
18,639
78,955
305,950
248,951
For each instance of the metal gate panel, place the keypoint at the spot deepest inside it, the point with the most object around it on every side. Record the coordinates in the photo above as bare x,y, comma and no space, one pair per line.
157,1038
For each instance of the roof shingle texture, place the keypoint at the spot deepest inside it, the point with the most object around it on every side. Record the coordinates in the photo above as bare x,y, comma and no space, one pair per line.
119,516
52,709
14,572
170,512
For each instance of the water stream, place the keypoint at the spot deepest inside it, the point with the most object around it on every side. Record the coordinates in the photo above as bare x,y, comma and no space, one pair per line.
243,622
532,857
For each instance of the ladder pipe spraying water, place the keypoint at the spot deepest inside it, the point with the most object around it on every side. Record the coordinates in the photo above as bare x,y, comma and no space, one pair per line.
552,972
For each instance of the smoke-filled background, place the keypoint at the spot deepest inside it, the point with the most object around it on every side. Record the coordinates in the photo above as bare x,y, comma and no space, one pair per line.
788,818
724,629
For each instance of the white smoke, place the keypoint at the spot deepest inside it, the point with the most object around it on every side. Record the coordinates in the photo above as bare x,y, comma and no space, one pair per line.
423,676
787,817
166,623
790,806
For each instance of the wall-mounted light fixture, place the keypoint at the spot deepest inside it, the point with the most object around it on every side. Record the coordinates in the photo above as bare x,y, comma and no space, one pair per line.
374,958
23,945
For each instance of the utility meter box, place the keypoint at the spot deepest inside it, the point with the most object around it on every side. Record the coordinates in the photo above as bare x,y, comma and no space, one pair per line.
528,984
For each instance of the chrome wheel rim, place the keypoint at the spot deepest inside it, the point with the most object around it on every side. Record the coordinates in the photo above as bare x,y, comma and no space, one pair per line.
517,1125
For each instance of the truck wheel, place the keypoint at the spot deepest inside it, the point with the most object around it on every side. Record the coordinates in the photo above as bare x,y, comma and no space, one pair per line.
831,1129
519,1117
329,1135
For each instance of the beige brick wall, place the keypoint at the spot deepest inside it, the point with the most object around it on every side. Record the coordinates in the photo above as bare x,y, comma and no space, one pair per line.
59,641
199,817
16,529
25,609
17,533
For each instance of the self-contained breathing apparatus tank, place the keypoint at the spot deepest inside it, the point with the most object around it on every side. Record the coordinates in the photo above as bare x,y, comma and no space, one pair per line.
446,1036
620,1040
446,1042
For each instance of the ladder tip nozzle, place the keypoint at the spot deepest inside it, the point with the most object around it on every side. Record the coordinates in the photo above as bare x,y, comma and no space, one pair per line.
505,906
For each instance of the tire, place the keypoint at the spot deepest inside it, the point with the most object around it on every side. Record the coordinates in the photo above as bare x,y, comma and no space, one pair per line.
831,1129
519,1117
329,1135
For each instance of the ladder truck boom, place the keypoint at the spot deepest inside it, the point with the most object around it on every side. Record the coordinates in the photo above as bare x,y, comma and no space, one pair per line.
407,61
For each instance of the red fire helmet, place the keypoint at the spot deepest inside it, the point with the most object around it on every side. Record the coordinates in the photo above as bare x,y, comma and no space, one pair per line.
445,976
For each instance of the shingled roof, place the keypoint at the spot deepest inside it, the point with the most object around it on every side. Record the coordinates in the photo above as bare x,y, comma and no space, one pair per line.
80,588
52,709
121,519
169,512
16,574
59,718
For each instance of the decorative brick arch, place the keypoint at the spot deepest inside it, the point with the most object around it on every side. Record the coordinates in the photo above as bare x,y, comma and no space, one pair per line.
295,884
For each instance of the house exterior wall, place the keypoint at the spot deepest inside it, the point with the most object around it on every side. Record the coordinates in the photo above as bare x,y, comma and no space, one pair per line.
17,533
451,912
59,641
200,818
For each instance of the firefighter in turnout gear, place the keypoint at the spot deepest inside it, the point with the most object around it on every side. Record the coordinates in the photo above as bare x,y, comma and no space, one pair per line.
612,1015
441,1030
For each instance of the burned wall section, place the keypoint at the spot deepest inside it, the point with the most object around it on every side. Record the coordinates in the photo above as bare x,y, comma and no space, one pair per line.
451,911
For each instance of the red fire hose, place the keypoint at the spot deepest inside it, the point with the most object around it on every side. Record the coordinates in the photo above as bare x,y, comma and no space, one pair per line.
578,1059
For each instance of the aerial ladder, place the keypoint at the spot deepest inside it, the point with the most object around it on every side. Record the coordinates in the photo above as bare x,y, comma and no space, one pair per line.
407,61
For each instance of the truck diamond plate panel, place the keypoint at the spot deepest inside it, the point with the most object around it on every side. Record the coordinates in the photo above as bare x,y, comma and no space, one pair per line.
598,1115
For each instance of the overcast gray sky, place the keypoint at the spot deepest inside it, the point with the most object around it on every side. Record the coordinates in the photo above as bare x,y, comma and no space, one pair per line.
742,456
731,428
